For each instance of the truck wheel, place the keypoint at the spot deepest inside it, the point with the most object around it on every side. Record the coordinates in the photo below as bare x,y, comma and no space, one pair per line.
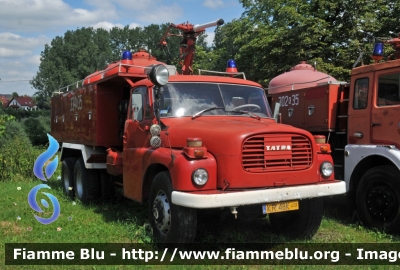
171,223
378,198
107,188
299,224
87,186
67,176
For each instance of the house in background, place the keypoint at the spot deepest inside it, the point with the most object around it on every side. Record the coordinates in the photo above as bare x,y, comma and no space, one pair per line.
22,103
4,101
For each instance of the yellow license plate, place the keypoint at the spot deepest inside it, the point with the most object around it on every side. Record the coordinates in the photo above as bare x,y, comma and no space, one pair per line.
270,208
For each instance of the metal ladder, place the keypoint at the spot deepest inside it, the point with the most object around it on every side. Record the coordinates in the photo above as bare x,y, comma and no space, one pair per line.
339,136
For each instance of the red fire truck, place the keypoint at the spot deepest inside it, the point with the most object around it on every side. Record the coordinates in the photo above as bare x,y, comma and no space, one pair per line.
361,121
182,142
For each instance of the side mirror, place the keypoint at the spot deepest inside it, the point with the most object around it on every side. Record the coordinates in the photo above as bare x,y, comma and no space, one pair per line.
276,112
137,106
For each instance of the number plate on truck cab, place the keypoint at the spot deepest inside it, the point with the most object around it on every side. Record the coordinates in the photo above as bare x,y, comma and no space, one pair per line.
270,208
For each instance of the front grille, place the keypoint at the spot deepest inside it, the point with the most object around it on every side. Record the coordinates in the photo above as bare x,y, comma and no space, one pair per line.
276,152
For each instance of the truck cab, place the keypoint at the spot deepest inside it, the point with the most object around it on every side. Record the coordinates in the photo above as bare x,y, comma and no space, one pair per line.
361,122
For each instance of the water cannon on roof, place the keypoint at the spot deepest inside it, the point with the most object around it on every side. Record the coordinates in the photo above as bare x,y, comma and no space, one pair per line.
202,27
189,34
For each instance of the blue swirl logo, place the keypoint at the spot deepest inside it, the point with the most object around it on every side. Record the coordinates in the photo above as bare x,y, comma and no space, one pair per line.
32,202
45,157
49,171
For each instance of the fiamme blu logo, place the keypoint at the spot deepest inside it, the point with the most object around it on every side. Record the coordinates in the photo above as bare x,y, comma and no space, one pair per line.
43,163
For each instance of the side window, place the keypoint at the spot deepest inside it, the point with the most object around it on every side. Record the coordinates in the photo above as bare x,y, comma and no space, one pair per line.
361,93
388,90
146,102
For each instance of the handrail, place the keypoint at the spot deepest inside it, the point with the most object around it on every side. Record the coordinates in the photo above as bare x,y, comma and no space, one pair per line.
79,83
234,74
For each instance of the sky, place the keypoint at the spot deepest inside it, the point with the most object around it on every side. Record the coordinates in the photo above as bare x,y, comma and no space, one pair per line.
27,25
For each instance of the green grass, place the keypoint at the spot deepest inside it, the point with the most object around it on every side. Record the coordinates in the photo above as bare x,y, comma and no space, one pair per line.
125,221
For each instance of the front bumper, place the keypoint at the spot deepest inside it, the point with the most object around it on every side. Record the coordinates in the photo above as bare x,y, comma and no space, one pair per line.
259,196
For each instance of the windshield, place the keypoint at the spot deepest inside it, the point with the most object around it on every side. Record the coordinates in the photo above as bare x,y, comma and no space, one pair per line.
187,99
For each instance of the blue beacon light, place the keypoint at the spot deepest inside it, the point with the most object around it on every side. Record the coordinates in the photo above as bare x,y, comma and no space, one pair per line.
126,55
231,66
377,54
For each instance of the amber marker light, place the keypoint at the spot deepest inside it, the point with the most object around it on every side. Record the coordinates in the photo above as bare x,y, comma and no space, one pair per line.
194,142
326,148
199,153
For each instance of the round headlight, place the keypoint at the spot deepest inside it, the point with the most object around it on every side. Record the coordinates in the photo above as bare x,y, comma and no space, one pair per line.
155,130
200,177
159,75
326,168
155,141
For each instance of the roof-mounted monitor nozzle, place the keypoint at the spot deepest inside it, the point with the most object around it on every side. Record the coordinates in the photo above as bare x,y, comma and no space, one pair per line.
201,27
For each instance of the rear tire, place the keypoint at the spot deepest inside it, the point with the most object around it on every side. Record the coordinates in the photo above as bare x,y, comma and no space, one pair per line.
67,176
87,184
378,198
171,223
299,224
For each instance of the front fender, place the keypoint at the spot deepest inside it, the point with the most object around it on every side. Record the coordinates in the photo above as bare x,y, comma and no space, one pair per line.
181,168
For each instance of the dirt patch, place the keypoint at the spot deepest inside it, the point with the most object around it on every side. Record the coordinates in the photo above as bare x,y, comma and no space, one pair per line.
10,227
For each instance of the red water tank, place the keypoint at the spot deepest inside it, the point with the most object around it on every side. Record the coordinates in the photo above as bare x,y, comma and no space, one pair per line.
300,76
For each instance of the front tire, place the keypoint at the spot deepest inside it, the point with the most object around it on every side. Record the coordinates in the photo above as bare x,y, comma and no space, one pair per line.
67,176
299,224
378,198
87,185
171,223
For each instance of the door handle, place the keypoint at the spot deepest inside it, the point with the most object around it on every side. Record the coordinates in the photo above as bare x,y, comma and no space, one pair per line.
358,135
376,124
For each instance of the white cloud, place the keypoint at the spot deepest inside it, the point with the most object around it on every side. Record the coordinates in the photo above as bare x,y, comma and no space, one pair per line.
12,45
134,25
213,4
107,25
42,15
161,14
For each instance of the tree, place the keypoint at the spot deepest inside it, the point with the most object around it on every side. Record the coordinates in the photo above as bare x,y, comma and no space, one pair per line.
79,53
14,94
70,58
273,36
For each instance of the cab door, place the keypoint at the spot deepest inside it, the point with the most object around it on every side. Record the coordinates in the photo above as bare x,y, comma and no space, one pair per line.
136,131
359,109
136,142
385,117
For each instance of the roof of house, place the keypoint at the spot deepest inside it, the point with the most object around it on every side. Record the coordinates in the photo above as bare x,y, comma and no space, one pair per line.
4,100
25,101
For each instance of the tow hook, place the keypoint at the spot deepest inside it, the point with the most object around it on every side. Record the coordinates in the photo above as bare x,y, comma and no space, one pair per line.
234,211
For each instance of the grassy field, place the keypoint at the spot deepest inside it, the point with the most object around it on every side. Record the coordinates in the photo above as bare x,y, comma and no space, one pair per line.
125,221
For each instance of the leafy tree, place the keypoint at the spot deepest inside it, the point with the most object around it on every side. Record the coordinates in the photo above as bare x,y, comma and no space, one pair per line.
79,53
4,119
273,36
70,58
36,131
14,94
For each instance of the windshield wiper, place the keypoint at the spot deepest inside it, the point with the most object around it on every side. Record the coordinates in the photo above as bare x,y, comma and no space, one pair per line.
206,110
249,113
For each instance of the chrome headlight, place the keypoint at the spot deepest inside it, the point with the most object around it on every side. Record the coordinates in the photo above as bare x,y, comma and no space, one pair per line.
200,177
159,75
155,130
326,169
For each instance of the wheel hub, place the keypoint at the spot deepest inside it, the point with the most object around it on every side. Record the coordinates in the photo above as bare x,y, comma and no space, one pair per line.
161,212
381,203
